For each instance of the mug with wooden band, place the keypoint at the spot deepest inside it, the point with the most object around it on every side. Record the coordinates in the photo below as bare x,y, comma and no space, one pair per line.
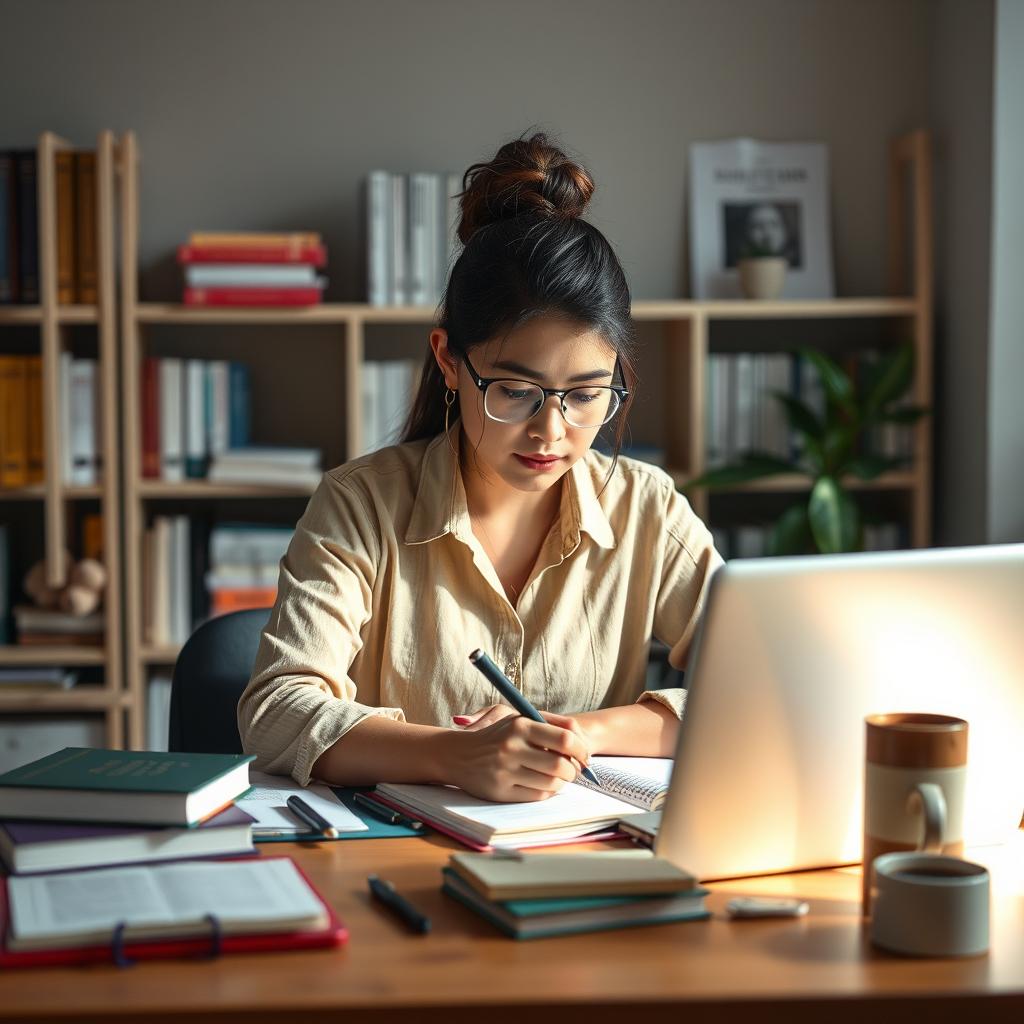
914,774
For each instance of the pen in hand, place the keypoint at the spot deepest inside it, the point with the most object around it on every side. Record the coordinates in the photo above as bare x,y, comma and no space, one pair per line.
310,817
507,689
385,893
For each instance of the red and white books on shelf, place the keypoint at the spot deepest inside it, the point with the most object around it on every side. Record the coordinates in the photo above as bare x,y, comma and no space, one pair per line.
253,269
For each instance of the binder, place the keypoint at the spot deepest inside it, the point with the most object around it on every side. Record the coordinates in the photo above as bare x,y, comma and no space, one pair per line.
210,946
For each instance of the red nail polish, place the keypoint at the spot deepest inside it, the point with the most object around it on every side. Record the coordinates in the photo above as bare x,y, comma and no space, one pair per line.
461,719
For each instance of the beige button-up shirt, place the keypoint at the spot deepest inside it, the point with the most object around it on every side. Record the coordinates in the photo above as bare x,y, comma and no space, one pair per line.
385,590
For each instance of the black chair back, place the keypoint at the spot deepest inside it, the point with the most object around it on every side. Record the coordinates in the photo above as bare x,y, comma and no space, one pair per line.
210,674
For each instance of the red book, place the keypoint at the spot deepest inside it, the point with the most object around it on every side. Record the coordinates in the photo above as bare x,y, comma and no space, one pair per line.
313,254
252,296
150,396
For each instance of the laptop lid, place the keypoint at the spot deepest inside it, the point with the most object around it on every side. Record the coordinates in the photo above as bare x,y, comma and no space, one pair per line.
793,653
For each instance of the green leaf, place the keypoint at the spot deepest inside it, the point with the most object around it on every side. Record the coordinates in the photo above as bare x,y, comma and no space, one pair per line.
905,414
752,466
834,518
791,535
889,379
799,415
870,467
838,386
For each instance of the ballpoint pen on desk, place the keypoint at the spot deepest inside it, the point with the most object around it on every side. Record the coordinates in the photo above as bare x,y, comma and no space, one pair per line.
507,689
309,816
386,894
388,814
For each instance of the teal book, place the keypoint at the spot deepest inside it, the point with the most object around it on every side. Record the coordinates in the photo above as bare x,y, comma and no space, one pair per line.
535,919
145,787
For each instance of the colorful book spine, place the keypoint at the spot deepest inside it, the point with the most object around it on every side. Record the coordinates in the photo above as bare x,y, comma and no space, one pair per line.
294,240
239,405
250,275
27,227
14,422
86,247
314,255
65,174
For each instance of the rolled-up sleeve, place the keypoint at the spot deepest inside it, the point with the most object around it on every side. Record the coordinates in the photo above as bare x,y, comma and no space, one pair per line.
301,699
689,560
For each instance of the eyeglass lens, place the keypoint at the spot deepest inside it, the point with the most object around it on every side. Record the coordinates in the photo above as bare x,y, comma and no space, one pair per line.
515,401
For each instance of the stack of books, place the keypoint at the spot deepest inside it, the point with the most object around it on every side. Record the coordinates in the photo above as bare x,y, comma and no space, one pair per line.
244,566
247,268
538,895
75,173
147,846
387,391
80,807
274,465
46,626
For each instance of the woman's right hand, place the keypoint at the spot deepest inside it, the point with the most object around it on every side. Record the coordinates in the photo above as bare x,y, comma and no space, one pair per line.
516,759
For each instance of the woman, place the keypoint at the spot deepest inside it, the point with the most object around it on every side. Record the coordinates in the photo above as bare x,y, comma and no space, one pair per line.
493,525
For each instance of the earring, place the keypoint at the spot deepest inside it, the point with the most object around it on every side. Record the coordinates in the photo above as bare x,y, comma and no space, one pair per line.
449,401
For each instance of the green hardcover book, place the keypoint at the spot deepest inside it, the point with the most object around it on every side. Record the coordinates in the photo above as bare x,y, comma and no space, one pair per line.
133,787
536,919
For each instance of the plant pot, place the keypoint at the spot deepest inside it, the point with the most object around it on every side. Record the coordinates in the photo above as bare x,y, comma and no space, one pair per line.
762,277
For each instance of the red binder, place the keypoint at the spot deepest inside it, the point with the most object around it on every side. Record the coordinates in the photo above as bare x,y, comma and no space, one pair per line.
123,954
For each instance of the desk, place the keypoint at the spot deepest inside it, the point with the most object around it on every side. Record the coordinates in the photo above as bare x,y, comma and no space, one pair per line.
818,968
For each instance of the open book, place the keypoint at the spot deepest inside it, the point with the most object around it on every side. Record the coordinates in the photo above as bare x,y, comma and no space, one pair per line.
83,908
628,784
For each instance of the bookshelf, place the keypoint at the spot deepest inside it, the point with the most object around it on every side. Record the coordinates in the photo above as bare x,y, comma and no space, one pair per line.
49,328
683,329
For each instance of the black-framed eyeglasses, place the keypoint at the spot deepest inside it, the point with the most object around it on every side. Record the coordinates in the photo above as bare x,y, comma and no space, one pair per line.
508,400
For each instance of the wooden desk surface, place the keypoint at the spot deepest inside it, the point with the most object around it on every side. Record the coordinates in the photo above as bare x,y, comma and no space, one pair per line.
817,968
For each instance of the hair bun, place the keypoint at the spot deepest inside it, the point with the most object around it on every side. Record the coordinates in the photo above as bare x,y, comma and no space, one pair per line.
527,175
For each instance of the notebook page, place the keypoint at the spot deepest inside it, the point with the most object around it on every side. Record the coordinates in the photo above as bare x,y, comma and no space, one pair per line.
642,781
266,802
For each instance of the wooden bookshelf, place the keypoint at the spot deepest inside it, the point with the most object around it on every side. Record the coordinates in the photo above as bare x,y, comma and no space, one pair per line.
54,495
685,329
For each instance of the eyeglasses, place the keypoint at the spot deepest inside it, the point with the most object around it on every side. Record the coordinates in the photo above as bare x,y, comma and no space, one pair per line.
516,401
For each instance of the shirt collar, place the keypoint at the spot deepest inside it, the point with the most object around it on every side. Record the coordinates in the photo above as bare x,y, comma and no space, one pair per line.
440,506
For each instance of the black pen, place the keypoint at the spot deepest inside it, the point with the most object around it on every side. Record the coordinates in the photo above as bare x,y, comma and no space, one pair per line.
506,688
387,814
308,816
386,894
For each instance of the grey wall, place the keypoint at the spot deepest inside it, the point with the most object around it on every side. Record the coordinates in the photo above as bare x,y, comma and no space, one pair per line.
253,113
1006,364
960,76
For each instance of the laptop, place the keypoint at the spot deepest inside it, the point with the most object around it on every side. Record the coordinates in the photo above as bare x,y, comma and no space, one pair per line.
793,653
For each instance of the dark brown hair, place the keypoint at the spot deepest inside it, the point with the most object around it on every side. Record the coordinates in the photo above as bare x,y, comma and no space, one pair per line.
527,253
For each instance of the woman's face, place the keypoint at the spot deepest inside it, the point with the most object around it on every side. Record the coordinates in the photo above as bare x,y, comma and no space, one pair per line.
766,229
535,454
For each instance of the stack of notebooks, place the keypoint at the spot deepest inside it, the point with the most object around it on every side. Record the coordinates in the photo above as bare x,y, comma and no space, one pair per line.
579,812
530,896
126,854
248,268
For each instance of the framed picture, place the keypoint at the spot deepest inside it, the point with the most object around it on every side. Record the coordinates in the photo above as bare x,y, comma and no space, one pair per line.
759,198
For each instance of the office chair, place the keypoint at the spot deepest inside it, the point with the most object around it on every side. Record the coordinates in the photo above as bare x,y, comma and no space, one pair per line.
210,674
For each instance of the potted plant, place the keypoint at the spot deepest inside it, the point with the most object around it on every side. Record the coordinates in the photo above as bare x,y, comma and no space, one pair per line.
830,450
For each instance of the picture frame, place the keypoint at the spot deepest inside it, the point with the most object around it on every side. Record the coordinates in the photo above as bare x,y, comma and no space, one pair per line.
755,198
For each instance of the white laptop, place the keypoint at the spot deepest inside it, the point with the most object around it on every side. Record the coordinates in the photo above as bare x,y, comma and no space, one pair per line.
791,656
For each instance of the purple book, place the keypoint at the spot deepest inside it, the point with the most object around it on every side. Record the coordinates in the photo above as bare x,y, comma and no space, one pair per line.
28,847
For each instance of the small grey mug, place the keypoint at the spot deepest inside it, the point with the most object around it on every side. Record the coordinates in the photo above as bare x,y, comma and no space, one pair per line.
928,904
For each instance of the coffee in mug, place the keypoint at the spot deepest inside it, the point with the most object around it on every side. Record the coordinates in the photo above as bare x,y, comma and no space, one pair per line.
926,904
914,774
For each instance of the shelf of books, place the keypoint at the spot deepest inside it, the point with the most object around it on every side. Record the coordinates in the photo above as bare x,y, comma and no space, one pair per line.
213,391
60,572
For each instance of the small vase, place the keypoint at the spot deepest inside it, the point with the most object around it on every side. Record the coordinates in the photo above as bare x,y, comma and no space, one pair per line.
762,277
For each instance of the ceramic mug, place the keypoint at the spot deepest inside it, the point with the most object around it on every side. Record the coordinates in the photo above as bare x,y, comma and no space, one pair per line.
925,904
914,774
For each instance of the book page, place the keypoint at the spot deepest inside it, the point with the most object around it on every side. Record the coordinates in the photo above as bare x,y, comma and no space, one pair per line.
642,781
93,903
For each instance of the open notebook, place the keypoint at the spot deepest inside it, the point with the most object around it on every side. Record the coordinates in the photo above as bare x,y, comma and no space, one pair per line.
628,785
